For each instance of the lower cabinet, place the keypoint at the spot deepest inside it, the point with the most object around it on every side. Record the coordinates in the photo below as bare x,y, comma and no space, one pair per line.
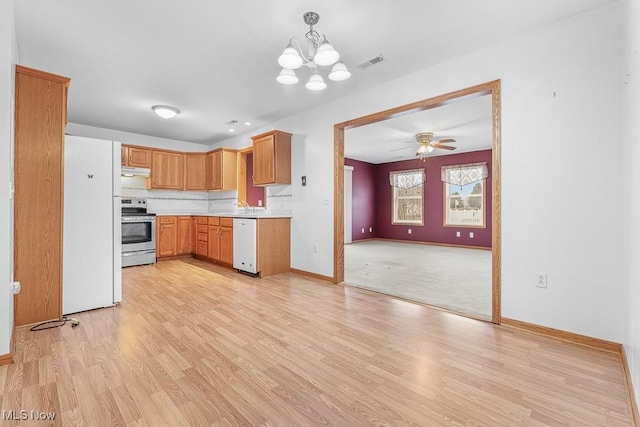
220,240
173,236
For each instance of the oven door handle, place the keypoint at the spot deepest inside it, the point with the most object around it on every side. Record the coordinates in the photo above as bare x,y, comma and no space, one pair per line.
150,251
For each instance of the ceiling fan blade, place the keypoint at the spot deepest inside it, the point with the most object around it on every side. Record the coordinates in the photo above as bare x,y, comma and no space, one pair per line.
445,141
443,147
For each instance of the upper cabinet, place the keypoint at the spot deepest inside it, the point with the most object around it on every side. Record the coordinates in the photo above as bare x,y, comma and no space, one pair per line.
222,169
272,158
137,157
195,167
167,170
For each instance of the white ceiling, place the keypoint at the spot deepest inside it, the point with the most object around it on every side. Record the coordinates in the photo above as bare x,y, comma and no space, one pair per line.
468,121
216,60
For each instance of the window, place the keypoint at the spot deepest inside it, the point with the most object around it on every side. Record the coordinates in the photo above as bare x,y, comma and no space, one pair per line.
407,194
464,192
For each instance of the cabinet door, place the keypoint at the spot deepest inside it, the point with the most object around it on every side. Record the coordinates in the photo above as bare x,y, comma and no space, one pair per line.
264,160
139,157
167,170
183,235
195,171
226,245
214,170
166,237
124,155
214,242
194,234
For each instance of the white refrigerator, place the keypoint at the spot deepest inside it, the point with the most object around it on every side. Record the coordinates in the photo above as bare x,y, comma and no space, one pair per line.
92,239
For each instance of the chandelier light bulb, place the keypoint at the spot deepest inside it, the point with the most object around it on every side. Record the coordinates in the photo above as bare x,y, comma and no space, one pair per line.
422,149
165,111
290,58
429,148
339,72
316,83
326,54
287,77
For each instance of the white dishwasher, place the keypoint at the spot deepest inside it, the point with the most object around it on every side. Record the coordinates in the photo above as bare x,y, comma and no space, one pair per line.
244,244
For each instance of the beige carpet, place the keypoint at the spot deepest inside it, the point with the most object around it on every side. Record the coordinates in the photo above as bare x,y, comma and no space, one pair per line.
457,279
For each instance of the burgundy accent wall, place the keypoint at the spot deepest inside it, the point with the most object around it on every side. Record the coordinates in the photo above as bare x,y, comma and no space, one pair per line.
363,199
433,229
253,193
372,202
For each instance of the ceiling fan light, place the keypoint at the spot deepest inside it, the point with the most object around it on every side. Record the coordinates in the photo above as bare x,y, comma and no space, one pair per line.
429,148
339,72
316,83
326,54
287,77
165,111
290,58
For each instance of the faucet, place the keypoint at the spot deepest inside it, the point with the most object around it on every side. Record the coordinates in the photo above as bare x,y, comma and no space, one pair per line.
242,203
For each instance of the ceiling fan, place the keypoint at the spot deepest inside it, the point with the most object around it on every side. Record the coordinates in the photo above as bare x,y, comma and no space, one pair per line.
426,144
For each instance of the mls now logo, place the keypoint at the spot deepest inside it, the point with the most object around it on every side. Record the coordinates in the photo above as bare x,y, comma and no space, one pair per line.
23,415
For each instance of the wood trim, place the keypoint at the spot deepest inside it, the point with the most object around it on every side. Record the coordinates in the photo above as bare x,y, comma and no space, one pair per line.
491,88
448,245
170,257
631,399
338,204
310,274
6,359
43,74
563,335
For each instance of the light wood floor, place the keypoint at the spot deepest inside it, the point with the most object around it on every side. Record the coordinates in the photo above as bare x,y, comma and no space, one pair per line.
194,344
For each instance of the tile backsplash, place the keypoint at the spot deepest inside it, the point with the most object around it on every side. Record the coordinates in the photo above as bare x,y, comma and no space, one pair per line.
278,199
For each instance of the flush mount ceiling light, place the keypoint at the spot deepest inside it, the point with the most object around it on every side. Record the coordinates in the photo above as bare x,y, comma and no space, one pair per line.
320,53
165,111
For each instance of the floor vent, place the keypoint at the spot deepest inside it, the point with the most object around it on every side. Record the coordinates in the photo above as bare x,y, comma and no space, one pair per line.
373,61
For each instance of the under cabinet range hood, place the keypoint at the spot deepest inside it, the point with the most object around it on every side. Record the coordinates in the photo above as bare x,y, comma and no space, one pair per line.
129,171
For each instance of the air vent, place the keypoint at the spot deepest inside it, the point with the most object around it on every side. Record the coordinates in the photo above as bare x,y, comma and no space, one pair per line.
373,61
231,122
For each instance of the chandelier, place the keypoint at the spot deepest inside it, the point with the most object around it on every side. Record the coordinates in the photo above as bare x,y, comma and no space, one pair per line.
319,53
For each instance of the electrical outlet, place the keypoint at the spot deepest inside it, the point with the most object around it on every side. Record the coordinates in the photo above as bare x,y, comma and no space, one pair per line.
541,280
315,248
409,231
15,288
370,229
457,234
363,231
471,234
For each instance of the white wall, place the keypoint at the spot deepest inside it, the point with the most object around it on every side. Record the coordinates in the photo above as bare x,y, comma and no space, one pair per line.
631,140
132,138
561,181
8,52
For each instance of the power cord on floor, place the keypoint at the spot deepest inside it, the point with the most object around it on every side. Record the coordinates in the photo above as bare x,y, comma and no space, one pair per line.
55,324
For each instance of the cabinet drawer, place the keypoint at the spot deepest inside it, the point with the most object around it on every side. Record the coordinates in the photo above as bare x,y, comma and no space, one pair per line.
202,248
202,220
167,220
226,222
203,237
202,229
214,220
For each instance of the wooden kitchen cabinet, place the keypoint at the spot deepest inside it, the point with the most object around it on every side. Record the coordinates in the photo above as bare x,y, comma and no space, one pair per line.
222,169
272,158
40,120
166,236
137,157
167,170
273,246
202,245
195,171
173,236
183,235
220,240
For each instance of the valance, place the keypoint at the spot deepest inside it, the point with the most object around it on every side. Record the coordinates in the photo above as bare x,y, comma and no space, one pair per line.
464,174
407,179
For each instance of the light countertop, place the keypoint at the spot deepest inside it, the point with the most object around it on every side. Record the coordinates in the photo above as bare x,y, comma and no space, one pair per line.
258,215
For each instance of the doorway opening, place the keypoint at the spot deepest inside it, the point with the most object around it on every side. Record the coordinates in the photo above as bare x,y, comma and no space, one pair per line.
491,90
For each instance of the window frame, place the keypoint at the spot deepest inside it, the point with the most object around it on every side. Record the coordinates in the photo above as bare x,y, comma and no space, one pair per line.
394,198
446,201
